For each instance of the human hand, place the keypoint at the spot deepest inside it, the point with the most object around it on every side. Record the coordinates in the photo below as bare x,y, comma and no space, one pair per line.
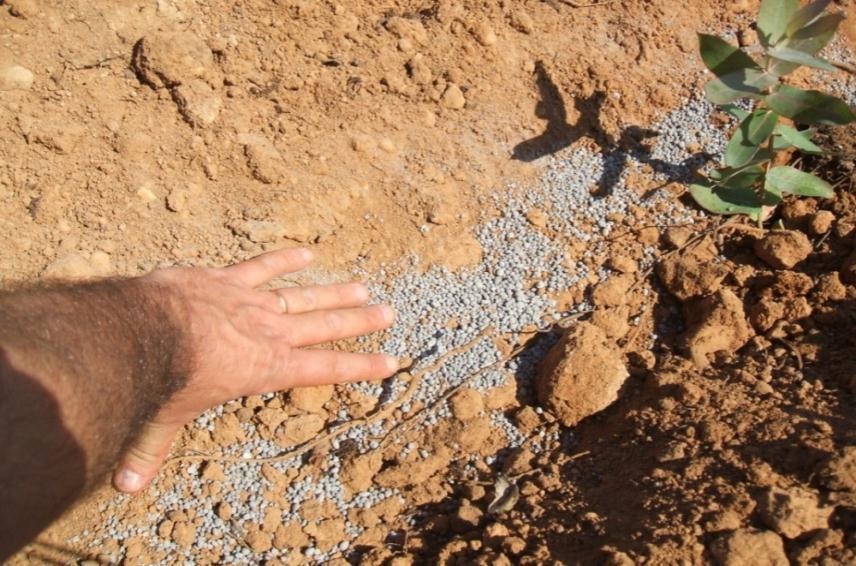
241,341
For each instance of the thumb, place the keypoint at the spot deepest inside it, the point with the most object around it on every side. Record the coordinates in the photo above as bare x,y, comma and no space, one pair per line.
142,460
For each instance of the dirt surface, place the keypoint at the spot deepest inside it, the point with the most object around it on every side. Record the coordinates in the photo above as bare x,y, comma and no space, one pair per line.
718,360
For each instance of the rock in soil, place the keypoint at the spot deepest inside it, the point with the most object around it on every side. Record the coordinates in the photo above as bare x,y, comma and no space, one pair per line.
749,547
15,77
792,512
169,59
581,374
838,473
783,249
716,323
685,277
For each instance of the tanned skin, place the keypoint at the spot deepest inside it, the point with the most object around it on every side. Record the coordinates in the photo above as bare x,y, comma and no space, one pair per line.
102,376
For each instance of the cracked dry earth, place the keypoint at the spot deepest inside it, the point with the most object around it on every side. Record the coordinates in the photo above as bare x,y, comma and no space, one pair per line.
602,374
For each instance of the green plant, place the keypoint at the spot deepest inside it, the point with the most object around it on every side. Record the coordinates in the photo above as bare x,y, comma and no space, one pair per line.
790,36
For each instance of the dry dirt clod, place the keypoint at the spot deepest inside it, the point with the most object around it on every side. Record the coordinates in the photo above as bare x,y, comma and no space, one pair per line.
484,34
522,21
197,103
467,404
311,399
821,222
792,512
168,59
263,159
685,277
612,292
581,374
299,429
15,77
749,547
838,473
715,323
783,249
453,98
24,9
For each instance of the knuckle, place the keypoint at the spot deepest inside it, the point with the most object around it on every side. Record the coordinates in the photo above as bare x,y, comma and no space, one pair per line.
310,299
334,322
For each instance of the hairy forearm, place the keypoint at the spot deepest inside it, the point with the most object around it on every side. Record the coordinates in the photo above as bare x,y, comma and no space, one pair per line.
72,359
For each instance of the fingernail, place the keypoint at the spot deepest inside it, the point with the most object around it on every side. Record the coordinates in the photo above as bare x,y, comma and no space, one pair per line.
307,255
128,480
392,363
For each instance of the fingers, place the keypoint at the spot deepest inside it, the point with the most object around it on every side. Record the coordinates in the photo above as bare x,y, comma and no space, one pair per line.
143,459
305,299
317,327
263,268
326,367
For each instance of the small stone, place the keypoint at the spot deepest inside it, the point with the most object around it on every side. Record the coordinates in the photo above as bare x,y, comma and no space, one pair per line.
169,59
581,374
259,541
715,323
792,512
224,511
514,545
783,249
838,473
71,267
259,231
24,9
466,518
612,292
311,399
197,103
623,264
263,159
419,70
537,217
485,34
678,236
467,404
184,534
522,21
749,547
685,277
649,236
15,77
821,222
518,462
298,429
213,472
165,529
453,98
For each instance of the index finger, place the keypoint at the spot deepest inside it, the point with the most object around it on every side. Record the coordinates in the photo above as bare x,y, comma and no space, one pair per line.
261,269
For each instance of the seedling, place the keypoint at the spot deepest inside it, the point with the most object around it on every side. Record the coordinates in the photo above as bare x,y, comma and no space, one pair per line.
790,37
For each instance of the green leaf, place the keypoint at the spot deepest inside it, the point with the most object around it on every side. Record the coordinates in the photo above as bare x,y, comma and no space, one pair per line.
784,179
806,15
800,58
810,106
797,139
758,126
739,84
773,19
721,57
738,177
735,111
810,40
730,200
746,141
